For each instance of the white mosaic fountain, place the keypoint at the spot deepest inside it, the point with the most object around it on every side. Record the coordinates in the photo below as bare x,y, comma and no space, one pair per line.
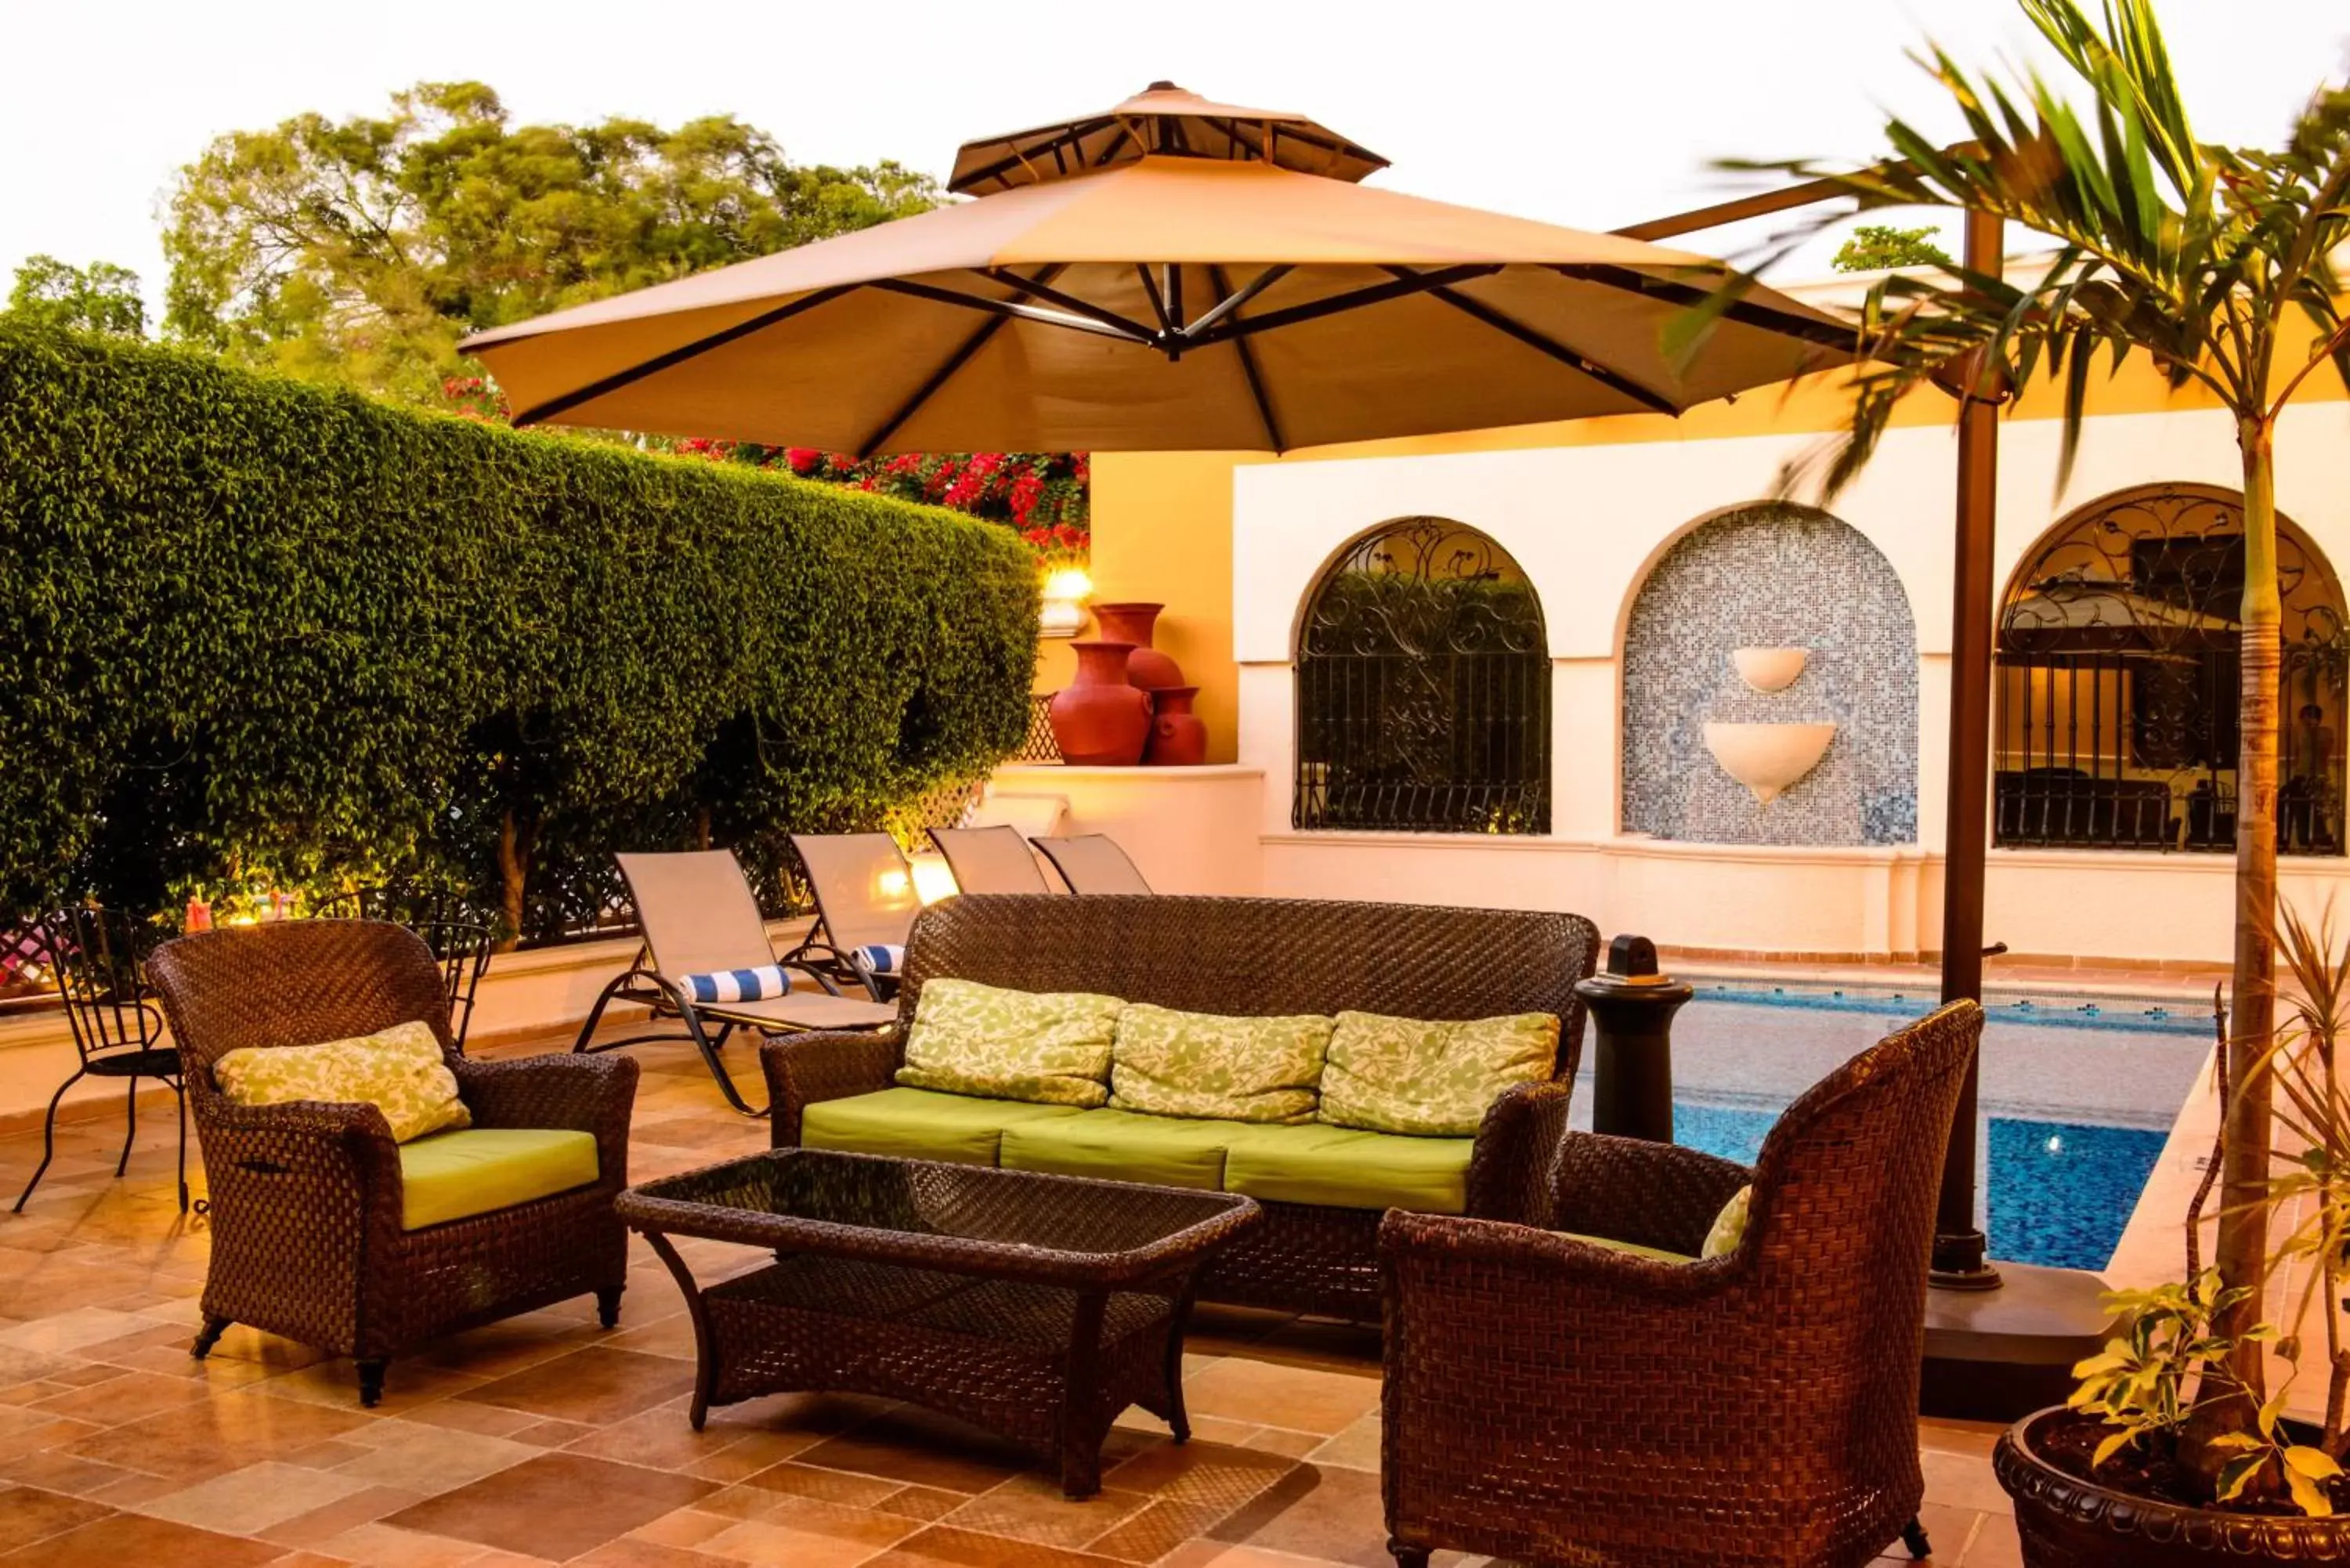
1768,758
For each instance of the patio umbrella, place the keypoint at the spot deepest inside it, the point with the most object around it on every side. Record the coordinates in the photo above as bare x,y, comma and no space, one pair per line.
1174,274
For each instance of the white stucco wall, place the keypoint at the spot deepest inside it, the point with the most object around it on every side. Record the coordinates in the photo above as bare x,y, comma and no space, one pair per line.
1587,523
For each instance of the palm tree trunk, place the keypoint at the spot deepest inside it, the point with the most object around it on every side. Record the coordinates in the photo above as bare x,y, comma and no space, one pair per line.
2243,1248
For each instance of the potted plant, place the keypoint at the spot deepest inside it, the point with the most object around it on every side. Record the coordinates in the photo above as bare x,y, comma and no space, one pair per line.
2218,264
2133,1469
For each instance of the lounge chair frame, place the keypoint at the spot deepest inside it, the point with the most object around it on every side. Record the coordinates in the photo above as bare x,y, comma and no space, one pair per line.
977,841
824,950
707,1025
1077,856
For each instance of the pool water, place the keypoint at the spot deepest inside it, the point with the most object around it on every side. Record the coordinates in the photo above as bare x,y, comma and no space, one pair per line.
2077,1097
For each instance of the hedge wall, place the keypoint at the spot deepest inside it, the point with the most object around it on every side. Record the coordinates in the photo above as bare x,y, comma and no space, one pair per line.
255,631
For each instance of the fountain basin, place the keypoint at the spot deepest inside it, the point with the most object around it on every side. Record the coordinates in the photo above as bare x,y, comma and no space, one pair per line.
1768,758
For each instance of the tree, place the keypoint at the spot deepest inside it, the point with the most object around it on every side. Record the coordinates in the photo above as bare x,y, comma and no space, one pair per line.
1879,247
2215,263
363,249
100,297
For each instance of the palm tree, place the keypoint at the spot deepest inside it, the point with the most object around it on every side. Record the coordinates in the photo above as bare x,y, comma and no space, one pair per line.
2216,261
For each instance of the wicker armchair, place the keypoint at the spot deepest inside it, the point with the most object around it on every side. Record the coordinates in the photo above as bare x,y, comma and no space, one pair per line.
1261,956
305,1199
1551,1401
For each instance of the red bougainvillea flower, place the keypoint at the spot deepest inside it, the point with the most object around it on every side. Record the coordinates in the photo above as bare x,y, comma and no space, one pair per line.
801,458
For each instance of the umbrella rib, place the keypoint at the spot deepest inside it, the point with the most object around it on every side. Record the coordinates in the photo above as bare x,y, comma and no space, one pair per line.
1355,299
1125,331
1248,363
953,362
677,355
1068,302
1231,302
1745,311
1019,158
1151,289
1542,343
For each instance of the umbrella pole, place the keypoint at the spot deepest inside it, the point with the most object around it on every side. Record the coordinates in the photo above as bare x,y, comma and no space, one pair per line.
1958,1262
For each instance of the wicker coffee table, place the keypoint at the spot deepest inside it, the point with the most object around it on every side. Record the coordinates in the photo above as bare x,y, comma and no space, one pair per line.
1036,1307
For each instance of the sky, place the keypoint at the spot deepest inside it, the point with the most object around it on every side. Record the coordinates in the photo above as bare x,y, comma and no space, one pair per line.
1592,113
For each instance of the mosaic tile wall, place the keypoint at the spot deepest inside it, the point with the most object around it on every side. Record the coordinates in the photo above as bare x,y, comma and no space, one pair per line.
1772,576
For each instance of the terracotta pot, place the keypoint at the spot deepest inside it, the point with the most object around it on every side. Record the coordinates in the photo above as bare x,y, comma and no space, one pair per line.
1149,669
2067,1522
1101,720
1179,737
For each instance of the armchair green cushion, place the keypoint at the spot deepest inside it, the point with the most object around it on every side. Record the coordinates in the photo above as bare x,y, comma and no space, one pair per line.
1048,1047
456,1175
1410,1075
920,1124
1658,1254
1122,1146
1348,1168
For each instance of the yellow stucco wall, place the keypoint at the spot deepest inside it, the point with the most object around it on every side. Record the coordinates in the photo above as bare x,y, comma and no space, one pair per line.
1162,522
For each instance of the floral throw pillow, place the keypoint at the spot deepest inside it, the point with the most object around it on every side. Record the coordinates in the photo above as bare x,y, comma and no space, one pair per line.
1051,1048
401,1071
1406,1075
1174,1063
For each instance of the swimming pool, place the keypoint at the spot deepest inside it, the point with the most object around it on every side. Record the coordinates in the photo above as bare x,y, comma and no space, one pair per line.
2078,1096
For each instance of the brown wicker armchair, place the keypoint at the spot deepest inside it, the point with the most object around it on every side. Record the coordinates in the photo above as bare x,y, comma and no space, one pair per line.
306,1198
1260,957
1551,1401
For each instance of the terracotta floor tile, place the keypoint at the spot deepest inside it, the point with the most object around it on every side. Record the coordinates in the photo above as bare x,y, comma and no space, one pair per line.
28,1514
682,1527
380,1546
922,1502
628,1552
1995,1544
322,1525
25,1431
808,1534
225,1432
1356,1448
554,1505
1154,1530
133,1539
1956,1480
1033,1507
124,1397
1334,1514
923,1449
1303,1398
61,1472
431,1460
249,1500
944,1547
818,1484
1214,1475
594,1386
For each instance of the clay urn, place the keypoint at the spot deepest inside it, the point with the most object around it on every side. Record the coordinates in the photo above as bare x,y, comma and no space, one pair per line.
1149,669
1179,737
1102,718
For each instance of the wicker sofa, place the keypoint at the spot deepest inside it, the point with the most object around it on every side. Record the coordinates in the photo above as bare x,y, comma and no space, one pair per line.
1254,957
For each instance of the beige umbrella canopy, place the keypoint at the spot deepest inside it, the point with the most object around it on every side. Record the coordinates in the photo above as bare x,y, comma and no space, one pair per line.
1164,284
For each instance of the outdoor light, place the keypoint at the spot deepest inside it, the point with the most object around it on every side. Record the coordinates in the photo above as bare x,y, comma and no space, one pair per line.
1064,602
894,883
933,879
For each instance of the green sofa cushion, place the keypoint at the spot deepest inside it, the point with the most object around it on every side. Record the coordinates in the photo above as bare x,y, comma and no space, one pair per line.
1173,1064
1123,1146
1408,1075
1051,1047
1346,1169
918,1123
1634,1248
456,1175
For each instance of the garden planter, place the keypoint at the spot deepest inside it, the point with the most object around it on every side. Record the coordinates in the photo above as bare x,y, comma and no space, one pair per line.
1101,720
2067,1522
1149,669
1179,737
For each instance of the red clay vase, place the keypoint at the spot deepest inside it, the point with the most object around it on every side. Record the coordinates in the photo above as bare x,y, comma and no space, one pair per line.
1179,737
1149,669
1102,718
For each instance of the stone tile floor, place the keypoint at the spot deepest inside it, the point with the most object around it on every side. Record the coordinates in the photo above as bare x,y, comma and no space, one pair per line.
544,1440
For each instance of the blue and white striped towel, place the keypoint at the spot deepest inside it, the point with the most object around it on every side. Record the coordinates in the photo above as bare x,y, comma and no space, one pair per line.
736,984
880,959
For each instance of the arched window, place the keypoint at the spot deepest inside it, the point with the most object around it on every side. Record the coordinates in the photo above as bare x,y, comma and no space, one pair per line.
2118,681
1423,688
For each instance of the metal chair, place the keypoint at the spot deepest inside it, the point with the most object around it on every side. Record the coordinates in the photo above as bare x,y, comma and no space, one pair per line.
460,938
98,958
989,860
864,899
1093,863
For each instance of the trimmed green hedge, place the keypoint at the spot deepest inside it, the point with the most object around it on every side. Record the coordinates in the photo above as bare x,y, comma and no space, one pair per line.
255,629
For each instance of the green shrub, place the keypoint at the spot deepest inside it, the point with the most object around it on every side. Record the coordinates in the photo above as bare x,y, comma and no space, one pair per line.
250,627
